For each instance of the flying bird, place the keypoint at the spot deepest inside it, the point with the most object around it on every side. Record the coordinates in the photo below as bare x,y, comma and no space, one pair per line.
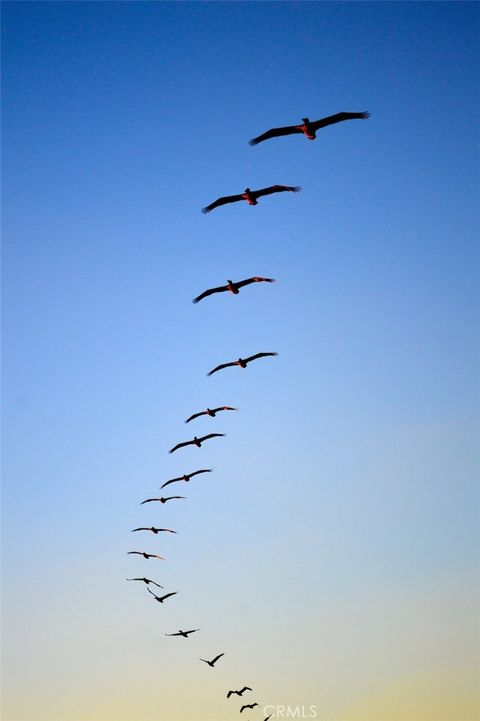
266,719
210,412
146,555
213,661
161,599
250,196
153,529
308,127
145,580
195,441
242,362
186,477
161,500
248,705
232,287
240,692
185,634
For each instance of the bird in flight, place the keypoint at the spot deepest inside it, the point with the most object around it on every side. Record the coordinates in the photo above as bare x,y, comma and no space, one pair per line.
145,580
248,705
213,661
186,477
210,412
266,719
308,127
242,362
240,692
146,555
232,287
185,634
161,500
250,196
161,599
154,530
195,441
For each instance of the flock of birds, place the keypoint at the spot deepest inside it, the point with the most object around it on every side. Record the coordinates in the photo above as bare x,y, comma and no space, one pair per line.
309,129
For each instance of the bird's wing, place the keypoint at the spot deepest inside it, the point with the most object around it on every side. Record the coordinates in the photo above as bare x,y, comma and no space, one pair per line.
149,500
153,594
169,498
258,355
274,133
222,365
230,693
225,408
154,582
173,480
193,630
337,118
276,189
220,289
222,201
205,661
196,415
214,660
139,553
167,530
202,470
245,688
211,435
180,445
167,595
255,279
140,529
155,555
173,634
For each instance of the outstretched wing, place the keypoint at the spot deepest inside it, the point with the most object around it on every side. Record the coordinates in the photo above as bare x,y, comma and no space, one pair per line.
173,634
331,119
224,408
230,693
172,480
275,133
149,500
180,445
245,688
222,201
202,470
138,553
140,529
223,365
211,435
210,291
196,415
170,498
258,355
153,594
214,660
276,189
167,595
255,279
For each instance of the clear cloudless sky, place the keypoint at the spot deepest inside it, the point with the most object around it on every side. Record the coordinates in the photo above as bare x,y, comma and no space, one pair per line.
333,552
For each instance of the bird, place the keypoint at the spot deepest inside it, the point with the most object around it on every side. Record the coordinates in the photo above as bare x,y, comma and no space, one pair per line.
145,580
161,599
266,719
250,196
154,530
213,661
232,287
240,692
242,362
162,499
210,412
146,555
248,705
186,477
308,127
185,634
195,441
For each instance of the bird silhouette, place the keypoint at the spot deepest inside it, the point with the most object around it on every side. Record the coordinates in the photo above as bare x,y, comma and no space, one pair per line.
251,196
185,634
186,477
232,287
161,500
248,705
212,412
242,362
308,127
146,555
153,530
213,661
195,441
161,599
145,580
240,692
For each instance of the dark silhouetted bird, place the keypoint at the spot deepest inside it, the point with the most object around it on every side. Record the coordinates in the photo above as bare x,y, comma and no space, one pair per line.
213,661
154,530
251,196
186,477
185,634
161,500
309,127
145,555
232,287
242,362
161,599
212,412
195,441
266,719
145,580
248,705
240,692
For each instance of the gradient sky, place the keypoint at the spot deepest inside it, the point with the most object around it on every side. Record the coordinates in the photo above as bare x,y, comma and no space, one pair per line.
333,553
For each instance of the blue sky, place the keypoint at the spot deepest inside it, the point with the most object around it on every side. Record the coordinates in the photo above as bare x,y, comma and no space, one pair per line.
345,493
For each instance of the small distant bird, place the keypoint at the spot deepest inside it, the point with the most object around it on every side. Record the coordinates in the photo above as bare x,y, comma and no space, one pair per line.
248,705
251,196
154,530
232,287
146,555
161,599
161,500
145,580
195,441
266,719
240,692
242,362
309,127
185,634
210,412
213,661
186,477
